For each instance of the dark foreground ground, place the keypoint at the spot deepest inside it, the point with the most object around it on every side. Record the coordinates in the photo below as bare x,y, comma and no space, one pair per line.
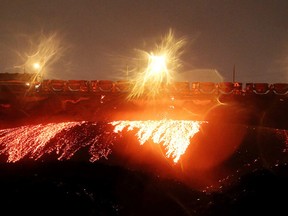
79,188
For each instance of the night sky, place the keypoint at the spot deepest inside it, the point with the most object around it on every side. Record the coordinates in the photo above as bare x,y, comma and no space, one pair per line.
100,37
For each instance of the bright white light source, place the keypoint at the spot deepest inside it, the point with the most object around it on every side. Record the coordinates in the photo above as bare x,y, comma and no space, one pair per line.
37,66
157,65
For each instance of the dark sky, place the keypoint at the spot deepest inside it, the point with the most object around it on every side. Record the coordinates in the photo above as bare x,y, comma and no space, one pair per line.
101,36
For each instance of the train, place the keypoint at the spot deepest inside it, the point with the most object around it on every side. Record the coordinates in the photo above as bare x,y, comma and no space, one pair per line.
21,97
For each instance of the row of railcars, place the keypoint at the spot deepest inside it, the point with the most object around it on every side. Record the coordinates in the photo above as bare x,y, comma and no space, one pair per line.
108,86
123,86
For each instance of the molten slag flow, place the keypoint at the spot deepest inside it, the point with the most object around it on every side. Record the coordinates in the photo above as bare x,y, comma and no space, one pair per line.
66,138
175,135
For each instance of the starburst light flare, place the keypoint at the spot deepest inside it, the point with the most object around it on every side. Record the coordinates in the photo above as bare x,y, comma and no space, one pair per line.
159,68
44,51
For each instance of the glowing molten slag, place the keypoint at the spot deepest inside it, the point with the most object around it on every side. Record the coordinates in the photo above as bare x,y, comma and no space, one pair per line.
65,139
175,135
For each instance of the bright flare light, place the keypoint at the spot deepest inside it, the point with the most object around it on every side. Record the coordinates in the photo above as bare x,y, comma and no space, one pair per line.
37,66
175,135
44,51
159,68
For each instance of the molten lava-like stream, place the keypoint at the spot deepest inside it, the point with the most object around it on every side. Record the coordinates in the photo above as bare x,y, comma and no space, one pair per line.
66,138
175,135
25,140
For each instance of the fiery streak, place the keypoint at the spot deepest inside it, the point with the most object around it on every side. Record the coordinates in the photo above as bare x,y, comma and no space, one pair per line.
20,141
175,135
64,138
160,65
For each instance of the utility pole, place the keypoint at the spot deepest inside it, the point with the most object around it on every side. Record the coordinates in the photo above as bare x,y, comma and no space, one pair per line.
234,73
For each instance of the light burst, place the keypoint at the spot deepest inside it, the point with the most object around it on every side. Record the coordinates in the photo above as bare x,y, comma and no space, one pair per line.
45,50
174,135
159,68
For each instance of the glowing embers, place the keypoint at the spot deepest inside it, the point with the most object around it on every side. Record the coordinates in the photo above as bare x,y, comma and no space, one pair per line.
65,139
174,135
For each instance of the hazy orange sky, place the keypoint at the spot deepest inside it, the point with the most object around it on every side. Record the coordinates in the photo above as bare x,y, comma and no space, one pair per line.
102,35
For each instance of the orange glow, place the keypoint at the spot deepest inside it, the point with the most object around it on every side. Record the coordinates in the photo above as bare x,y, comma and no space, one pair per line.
174,135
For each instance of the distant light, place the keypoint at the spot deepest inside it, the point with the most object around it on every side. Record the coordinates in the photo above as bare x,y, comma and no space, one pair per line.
37,66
